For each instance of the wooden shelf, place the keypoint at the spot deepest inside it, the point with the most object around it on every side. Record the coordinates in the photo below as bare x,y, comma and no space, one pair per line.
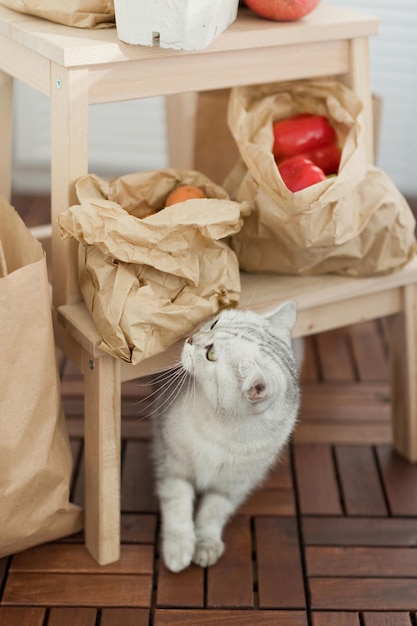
324,302
77,47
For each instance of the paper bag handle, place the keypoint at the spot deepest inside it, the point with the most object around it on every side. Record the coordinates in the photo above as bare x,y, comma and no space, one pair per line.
3,264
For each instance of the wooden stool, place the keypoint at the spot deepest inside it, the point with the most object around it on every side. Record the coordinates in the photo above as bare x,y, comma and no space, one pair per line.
76,68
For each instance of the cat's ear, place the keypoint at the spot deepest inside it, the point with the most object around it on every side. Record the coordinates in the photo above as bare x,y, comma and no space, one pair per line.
283,316
254,386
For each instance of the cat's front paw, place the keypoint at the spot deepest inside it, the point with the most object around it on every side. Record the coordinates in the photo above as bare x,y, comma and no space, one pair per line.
207,552
177,552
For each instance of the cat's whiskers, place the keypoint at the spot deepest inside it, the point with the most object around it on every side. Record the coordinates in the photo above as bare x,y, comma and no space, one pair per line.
160,375
167,370
176,382
165,378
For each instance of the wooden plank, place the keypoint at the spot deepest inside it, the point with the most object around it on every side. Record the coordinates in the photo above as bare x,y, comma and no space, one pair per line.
136,401
280,575
386,619
137,482
185,589
280,476
35,211
94,590
350,394
182,119
370,562
400,481
215,71
20,63
103,46
269,502
26,616
136,429
371,359
69,616
320,296
402,338
335,619
362,491
359,81
230,583
67,558
327,431
335,314
363,594
125,616
234,618
138,398
335,356
316,479
321,301
333,531
310,370
102,458
346,415
138,528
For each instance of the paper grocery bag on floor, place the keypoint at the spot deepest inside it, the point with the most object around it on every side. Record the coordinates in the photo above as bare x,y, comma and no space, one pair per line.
80,13
356,223
148,274
35,457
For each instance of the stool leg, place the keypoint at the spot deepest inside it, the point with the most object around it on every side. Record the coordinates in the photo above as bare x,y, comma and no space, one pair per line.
180,120
359,80
402,329
6,125
102,458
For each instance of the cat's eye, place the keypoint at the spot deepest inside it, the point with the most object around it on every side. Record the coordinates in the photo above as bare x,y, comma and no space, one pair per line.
210,354
213,324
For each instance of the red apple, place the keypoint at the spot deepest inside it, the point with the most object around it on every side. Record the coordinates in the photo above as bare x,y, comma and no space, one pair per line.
282,10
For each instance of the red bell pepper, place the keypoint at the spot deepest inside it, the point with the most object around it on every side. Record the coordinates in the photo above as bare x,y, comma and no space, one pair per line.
299,172
326,158
300,134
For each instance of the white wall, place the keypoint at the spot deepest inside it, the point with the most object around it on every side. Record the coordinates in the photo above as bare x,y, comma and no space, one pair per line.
123,137
394,79
130,136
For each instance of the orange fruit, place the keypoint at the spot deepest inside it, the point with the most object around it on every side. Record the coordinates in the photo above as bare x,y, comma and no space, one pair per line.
183,193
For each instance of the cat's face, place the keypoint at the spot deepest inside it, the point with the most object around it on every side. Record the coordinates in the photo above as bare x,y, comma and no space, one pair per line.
241,359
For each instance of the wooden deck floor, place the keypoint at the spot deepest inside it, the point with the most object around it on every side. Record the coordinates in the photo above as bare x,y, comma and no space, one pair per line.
329,540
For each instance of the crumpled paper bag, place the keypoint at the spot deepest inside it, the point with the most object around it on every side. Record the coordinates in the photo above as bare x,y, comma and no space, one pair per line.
35,457
80,13
148,274
356,223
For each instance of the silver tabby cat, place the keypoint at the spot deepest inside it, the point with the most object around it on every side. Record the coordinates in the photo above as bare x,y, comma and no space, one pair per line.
221,427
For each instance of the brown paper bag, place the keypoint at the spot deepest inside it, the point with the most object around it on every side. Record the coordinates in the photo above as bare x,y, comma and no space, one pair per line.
35,457
357,223
149,274
80,13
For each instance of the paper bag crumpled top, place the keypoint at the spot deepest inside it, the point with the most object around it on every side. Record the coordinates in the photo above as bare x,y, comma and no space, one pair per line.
149,281
356,223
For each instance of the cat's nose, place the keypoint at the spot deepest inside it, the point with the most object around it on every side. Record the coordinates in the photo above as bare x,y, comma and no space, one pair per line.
189,340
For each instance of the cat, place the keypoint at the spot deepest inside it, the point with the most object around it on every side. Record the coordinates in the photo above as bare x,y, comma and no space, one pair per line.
221,426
